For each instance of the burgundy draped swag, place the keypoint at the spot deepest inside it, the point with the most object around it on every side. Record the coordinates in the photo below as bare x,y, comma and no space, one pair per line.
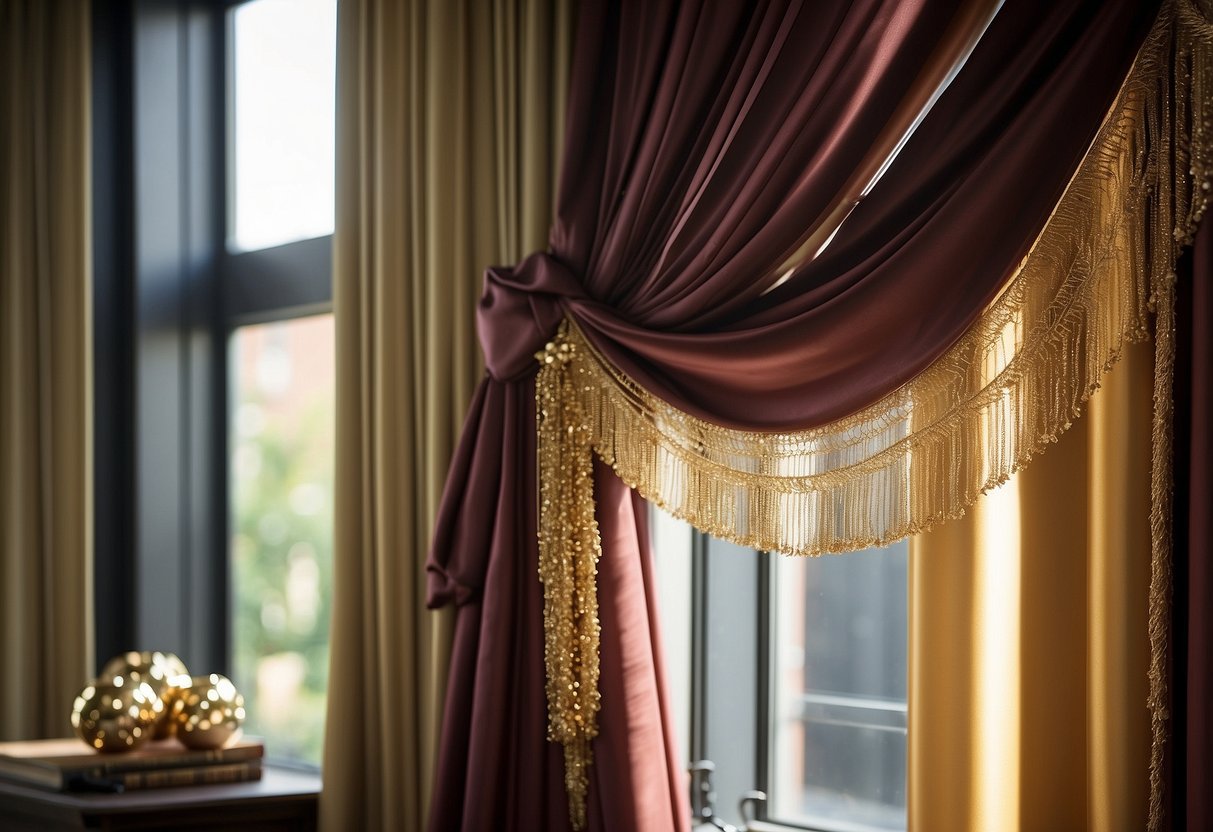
707,145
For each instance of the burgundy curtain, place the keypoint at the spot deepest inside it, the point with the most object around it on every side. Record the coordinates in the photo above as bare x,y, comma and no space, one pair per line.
1192,653
705,141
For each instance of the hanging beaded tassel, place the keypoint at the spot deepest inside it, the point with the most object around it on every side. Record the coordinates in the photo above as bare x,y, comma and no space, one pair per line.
569,548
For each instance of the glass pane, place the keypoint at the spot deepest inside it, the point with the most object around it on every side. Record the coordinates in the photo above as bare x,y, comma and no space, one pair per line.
839,711
284,57
281,475
731,663
671,541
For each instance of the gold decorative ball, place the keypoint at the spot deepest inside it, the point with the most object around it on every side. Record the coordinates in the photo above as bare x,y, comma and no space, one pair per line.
209,713
164,672
174,666
116,713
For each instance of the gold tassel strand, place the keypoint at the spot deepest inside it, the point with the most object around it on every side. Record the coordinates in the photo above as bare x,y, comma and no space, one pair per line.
569,549
1162,482
1182,145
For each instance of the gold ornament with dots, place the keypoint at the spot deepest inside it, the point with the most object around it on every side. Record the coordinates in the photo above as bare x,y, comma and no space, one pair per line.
116,713
165,673
209,713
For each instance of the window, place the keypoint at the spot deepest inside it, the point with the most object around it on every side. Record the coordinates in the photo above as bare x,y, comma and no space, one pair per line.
788,676
213,210
282,56
838,700
281,469
280,89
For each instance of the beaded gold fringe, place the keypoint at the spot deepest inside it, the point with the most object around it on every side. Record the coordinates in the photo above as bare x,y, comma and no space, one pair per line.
1011,385
569,548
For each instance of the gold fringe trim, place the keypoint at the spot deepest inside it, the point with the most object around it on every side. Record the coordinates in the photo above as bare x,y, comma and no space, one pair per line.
1012,384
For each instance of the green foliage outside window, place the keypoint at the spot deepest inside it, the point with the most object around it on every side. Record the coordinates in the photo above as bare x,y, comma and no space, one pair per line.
281,556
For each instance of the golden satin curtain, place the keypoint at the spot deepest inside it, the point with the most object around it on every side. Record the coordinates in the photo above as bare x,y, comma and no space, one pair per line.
46,621
450,119
1028,636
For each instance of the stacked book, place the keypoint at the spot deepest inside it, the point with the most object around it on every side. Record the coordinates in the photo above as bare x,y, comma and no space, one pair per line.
67,765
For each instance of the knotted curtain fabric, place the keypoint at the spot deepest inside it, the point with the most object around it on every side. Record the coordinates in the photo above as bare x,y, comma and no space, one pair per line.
772,391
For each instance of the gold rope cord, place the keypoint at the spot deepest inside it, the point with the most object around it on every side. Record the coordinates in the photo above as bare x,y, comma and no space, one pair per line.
1012,384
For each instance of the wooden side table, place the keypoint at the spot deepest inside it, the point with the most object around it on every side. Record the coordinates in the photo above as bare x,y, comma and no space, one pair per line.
282,801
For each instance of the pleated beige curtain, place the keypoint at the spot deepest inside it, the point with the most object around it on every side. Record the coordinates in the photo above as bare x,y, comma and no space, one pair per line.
450,119
45,364
1028,636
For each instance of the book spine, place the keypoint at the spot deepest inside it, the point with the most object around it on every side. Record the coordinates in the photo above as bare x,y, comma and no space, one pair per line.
122,764
199,775
29,776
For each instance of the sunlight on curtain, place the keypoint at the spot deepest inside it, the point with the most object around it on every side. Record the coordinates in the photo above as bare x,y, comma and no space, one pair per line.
1028,636
995,746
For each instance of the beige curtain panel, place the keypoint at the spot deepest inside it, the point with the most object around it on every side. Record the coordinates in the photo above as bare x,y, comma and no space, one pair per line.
46,607
1028,636
450,119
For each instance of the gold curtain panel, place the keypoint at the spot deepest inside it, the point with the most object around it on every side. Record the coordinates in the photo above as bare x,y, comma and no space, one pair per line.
46,442
1028,638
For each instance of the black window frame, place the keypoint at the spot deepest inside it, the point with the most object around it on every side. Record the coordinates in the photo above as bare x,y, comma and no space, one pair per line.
168,295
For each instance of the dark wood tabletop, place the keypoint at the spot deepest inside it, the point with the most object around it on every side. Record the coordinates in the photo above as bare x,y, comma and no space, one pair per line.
282,801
